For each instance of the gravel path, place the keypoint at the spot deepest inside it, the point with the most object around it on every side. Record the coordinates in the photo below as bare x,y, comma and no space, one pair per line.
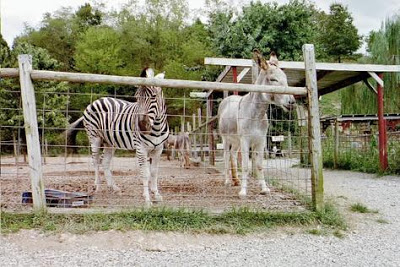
369,241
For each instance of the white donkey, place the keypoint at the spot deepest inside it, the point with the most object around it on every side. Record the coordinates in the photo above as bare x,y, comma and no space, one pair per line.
243,123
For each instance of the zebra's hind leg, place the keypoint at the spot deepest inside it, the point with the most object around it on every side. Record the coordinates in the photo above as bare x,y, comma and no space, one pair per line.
95,144
154,164
107,157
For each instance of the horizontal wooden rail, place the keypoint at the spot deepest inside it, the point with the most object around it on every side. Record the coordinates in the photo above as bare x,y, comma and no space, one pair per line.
9,73
125,80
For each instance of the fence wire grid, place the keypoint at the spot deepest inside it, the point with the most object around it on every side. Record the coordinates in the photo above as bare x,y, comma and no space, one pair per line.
202,186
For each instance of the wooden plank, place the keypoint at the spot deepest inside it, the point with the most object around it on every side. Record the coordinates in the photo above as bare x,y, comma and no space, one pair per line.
223,74
370,87
9,73
343,83
32,133
376,78
242,74
300,65
106,79
314,130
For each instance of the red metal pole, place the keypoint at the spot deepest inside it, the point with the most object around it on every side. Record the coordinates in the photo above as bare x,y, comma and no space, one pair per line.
235,76
383,157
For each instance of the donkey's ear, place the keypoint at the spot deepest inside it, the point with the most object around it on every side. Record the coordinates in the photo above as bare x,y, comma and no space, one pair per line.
147,73
273,59
259,59
160,75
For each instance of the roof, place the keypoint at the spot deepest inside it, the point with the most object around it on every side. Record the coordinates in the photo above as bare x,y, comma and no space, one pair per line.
331,76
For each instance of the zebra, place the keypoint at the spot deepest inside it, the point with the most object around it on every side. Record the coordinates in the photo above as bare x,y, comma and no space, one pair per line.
112,123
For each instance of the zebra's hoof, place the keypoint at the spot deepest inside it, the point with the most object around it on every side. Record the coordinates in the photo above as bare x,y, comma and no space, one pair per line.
265,192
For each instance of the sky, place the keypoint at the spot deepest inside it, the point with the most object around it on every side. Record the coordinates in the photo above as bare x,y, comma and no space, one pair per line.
368,14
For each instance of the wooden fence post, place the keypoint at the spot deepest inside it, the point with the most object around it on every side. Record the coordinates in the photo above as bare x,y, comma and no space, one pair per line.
314,130
200,135
32,132
336,148
195,154
210,131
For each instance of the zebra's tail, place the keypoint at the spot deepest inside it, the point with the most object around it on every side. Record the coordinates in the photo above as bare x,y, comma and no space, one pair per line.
71,133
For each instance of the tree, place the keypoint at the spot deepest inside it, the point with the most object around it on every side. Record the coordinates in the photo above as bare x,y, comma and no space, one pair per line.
50,98
98,51
59,32
338,36
283,29
5,53
383,48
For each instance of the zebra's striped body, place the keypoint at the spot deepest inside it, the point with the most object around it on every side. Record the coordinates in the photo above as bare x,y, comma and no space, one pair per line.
117,124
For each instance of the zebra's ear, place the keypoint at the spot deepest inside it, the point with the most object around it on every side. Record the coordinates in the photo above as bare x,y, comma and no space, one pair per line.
160,75
259,59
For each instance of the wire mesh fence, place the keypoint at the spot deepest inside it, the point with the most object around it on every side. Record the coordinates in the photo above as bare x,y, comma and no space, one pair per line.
352,143
69,175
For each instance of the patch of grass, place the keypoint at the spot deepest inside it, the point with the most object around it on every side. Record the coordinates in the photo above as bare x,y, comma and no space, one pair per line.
383,221
316,231
360,208
240,221
338,233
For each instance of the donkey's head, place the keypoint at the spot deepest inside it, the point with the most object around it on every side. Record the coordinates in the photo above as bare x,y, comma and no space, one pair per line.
271,74
150,101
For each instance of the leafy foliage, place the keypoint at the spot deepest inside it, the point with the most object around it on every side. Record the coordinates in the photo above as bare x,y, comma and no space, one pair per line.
384,48
269,27
338,36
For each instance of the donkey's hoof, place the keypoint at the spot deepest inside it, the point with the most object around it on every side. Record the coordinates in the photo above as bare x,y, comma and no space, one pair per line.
158,198
242,195
116,189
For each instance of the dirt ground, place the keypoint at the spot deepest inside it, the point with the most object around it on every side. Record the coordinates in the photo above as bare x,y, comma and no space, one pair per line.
197,187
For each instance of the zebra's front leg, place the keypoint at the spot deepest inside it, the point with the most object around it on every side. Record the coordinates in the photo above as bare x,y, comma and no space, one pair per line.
244,145
95,144
154,164
144,168
107,157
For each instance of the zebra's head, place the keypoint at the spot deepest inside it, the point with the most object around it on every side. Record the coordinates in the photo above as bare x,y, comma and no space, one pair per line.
150,101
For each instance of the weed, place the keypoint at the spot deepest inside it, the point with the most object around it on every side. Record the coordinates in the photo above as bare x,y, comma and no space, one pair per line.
360,208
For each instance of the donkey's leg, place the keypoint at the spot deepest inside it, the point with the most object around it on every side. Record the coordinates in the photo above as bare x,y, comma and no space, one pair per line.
234,163
154,164
144,168
107,157
226,160
244,146
259,172
95,143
